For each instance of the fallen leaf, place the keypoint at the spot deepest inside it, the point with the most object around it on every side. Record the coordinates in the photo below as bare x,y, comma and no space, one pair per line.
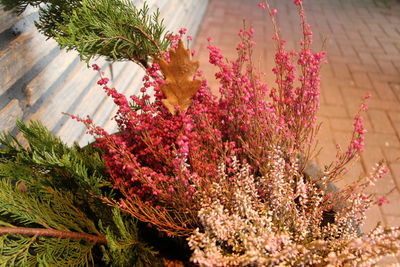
180,86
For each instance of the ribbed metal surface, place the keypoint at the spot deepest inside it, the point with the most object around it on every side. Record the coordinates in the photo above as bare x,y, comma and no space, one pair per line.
38,81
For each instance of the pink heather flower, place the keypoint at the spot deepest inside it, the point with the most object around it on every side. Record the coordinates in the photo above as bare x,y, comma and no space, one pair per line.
96,67
103,81
358,145
209,39
174,39
298,2
250,32
368,96
382,201
182,31
274,12
189,38
261,4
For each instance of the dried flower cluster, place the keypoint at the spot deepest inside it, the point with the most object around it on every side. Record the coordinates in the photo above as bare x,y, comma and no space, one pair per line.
228,171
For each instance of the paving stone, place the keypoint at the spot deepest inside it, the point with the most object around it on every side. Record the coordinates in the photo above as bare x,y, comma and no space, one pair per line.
392,155
396,88
349,51
384,90
331,94
392,221
355,66
372,42
385,77
366,57
397,127
382,140
333,49
341,124
389,49
387,67
380,121
395,170
394,116
374,216
334,111
341,70
362,80
388,105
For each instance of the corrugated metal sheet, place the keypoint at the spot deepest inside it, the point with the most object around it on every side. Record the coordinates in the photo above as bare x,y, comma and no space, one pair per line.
38,81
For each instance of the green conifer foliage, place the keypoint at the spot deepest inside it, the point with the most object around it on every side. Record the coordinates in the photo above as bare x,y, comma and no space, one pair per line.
123,246
116,29
49,211
29,215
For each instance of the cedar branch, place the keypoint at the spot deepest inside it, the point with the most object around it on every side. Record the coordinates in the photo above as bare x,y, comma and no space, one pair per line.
145,34
25,231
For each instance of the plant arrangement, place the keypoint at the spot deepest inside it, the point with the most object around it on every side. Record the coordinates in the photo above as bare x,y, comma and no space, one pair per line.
222,177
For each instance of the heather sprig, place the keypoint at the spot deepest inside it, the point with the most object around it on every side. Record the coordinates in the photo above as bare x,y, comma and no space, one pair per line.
356,146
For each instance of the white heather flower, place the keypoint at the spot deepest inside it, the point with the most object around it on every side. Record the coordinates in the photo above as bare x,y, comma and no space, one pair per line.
284,227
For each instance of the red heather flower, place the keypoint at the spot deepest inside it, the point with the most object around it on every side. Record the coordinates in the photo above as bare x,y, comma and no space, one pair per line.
103,81
382,201
182,31
298,2
96,67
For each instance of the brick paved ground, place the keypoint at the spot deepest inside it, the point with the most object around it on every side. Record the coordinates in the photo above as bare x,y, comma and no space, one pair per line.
363,43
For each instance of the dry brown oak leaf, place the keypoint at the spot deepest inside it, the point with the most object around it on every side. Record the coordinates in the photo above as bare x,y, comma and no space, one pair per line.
180,86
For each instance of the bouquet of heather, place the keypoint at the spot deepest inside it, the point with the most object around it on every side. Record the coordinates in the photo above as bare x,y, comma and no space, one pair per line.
226,176
228,172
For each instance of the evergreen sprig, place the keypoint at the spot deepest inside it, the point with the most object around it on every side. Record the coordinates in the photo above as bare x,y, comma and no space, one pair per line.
116,29
42,210
50,214
124,243
53,162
